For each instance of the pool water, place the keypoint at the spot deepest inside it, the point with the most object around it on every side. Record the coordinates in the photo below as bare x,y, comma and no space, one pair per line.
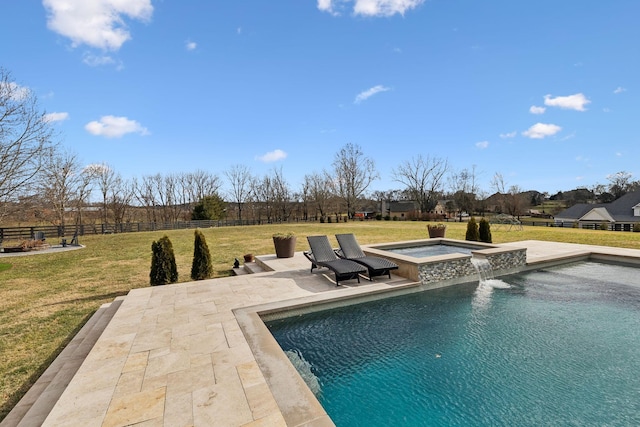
558,346
431,250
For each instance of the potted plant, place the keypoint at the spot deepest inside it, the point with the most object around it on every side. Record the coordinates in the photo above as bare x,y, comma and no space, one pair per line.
285,244
436,230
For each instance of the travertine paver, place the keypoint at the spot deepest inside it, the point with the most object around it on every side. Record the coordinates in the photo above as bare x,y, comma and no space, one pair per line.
176,356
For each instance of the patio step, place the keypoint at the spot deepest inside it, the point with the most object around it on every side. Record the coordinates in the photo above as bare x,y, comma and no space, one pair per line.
36,404
248,268
252,267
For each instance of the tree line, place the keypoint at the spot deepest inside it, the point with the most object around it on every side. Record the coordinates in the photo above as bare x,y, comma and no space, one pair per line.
43,182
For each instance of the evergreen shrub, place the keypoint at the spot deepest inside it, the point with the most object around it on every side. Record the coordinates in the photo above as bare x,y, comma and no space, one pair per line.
484,229
472,230
164,269
201,268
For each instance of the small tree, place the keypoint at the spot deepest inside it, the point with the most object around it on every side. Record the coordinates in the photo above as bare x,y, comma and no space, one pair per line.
484,229
163,263
472,230
208,208
201,267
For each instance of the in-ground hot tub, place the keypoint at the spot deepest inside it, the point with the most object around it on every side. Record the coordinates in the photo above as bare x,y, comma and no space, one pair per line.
447,261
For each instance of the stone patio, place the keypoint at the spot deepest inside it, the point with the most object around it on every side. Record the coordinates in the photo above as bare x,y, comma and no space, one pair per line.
194,354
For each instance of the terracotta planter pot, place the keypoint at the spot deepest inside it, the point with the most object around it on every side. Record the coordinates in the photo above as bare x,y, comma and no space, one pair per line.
285,246
436,231
248,258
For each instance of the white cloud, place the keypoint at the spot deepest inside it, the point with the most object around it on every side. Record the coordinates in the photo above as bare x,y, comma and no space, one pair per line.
273,156
362,96
534,109
96,23
384,7
571,102
509,134
619,89
482,144
115,127
541,130
373,8
56,117
97,60
189,45
327,6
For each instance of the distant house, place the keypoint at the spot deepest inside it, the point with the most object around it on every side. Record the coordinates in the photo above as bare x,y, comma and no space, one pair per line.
620,215
402,210
441,208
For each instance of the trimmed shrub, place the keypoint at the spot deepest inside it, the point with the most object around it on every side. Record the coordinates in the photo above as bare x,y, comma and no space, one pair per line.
472,230
163,263
201,268
636,227
484,229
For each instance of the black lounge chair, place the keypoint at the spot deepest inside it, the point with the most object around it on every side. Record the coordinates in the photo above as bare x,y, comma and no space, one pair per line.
350,249
323,255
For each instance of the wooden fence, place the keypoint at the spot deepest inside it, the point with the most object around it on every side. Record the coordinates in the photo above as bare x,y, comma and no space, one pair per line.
59,232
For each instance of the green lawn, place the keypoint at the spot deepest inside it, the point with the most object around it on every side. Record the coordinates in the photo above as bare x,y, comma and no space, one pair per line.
46,298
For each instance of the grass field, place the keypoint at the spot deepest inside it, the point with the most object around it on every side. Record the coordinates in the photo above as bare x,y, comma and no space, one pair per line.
46,298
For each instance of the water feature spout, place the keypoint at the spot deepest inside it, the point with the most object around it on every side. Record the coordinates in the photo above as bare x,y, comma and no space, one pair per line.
485,274
483,267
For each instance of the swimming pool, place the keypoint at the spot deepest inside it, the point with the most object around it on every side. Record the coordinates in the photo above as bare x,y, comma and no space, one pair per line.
560,346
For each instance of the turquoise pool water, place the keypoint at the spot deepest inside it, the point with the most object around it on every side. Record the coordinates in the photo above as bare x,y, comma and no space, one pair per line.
431,250
560,346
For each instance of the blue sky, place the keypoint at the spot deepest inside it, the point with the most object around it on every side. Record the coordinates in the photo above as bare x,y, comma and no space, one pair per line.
543,92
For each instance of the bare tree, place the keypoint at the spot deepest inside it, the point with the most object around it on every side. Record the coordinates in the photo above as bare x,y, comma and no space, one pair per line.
59,182
511,199
304,195
105,178
263,194
619,183
465,189
353,172
281,195
240,180
87,178
119,200
26,138
423,179
201,184
144,193
319,192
